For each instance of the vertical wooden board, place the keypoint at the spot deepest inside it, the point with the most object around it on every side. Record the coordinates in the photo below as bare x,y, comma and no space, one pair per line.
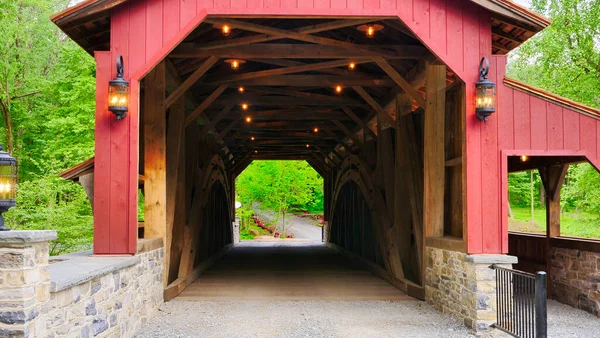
222,4
154,27
473,175
338,4
171,18
120,143
588,136
405,11
505,107
371,4
522,121
434,163
188,12
538,124
272,3
254,4
207,4
387,4
321,4
305,4
485,34
472,54
102,160
504,202
240,3
490,186
454,36
555,127
421,21
571,129
354,4
137,42
438,25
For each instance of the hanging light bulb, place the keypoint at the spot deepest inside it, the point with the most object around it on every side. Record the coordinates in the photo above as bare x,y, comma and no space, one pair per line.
316,130
241,89
370,30
352,65
524,158
252,138
338,89
256,151
307,145
244,106
235,64
248,119
226,30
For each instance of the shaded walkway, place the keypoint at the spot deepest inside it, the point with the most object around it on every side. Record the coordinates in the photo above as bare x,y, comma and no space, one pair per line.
288,271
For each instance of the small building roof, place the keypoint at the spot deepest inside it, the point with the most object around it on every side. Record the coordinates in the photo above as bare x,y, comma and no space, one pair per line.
78,170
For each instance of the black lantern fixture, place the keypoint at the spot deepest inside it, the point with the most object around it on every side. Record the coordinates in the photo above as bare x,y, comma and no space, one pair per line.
8,184
485,92
118,93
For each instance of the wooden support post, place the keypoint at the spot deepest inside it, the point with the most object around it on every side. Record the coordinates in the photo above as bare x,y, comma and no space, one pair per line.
434,152
155,155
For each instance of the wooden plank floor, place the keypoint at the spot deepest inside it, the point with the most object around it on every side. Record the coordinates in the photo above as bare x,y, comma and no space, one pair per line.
288,271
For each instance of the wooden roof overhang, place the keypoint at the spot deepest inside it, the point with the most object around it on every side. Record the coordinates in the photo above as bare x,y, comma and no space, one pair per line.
88,23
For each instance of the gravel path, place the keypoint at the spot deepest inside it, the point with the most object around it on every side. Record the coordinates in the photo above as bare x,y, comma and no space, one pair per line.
301,319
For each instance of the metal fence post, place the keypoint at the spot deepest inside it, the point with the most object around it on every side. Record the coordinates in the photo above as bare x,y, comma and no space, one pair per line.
541,314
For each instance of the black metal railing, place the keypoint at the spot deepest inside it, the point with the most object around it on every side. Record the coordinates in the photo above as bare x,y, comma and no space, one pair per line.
521,303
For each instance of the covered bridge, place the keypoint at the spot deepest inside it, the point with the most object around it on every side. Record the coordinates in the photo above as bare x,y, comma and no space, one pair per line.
377,95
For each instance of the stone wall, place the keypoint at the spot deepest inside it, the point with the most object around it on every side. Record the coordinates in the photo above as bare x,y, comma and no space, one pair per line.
463,285
82,296
575,278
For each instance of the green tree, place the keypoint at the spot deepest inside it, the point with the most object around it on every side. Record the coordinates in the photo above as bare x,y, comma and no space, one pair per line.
565,57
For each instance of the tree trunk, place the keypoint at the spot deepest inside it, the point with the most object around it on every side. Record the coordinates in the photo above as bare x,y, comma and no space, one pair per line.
510,213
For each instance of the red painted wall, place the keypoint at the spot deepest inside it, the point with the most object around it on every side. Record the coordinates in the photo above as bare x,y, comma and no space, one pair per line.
458,32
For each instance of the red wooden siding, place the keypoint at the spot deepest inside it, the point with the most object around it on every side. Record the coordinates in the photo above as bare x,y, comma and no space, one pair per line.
529,125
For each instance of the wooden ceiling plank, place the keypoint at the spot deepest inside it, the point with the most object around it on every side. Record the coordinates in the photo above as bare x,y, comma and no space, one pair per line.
191,80
400,80
207,102
311,80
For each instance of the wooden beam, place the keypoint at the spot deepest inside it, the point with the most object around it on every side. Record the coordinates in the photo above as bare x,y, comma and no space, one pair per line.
283,71
310,29
401,81
298,51
299,36
371,101
185,85
207,102
155,157
311,80
361,124
348,133
434,152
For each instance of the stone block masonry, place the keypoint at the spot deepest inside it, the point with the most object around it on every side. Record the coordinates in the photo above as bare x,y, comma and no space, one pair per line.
82,296
464,286
575,278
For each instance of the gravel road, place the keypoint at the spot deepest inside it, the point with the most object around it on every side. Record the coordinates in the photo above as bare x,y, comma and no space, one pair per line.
301,319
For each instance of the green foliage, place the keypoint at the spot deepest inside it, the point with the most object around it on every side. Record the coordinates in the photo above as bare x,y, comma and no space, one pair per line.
47,101
281,185
565,57
519,188
49,202
582,189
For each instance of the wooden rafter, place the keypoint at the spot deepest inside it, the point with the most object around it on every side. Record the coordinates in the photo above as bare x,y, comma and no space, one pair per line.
207,102
401,81
185,85
371,101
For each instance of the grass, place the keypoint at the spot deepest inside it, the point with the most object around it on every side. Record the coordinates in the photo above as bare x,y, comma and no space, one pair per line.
572,224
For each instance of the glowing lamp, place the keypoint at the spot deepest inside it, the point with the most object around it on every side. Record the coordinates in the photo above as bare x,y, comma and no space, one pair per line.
8,184
524,158
244,106
370,30
248,119
241,89
338,89
308,146
226,30
352,66
316,130
118,93
252,138
235,64
485,92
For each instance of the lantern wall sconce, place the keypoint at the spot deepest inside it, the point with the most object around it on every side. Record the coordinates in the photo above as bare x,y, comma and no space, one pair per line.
118,93
8,184
485,92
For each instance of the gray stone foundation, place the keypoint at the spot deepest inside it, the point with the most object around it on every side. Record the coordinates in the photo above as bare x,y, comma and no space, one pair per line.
80,296
464,286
